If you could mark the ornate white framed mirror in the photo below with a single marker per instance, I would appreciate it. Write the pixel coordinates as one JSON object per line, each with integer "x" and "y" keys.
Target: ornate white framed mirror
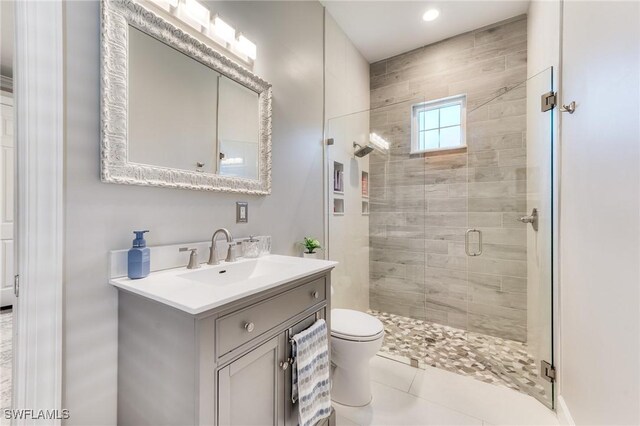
{"x": 176, "y": 113}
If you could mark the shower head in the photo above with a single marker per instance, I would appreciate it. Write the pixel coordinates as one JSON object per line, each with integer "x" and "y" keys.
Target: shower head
{"x": 361, "y": 151}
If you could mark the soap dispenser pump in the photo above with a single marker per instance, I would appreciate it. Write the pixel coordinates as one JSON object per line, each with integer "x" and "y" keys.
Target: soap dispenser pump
{"x": 139, "y": 257}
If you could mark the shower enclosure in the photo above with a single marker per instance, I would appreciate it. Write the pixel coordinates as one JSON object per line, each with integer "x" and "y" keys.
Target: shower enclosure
{"x": 444, "y": 229}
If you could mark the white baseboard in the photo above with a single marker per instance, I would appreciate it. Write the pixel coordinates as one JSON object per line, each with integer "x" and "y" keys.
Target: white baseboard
{"x": 564, "y": 415}
{"x": 6, "y": 296}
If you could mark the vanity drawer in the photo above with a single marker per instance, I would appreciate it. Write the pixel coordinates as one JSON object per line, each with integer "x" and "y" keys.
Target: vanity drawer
{"x": 241, "y": 326}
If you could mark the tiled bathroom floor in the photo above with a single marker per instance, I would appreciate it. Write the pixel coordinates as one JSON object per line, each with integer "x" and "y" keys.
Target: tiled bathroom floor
{"x": 486, "y": 358}
{"x": 404, "y": 395}
{"x": 6, "y": 322}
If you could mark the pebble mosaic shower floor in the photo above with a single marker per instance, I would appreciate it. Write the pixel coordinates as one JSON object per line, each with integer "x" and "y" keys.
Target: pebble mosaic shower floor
{"x": 486, "y": 358}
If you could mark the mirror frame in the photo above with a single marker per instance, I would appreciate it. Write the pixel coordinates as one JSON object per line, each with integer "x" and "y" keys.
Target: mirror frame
{"x": 116, "y": 17}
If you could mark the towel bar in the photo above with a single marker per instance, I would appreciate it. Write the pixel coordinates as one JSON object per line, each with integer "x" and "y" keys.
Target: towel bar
{"x": 290, "y": 330}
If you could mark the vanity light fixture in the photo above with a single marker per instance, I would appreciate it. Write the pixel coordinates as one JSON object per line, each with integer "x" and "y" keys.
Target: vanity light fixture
{"x": 431, "y": 15}
{"x": 379, "y": 142}
{"x": 198, "y": 16}
{"x": 166, "y": 4}
{"x": 194, "y": 14}
{"x": 198, "y": 12}
{"x": 223, "y": 30}
{"x": 246, "y": 47}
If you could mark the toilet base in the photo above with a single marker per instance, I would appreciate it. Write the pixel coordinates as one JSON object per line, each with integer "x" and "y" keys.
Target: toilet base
{"x": 352, "y": 386}
{"x": 356, "y": 337}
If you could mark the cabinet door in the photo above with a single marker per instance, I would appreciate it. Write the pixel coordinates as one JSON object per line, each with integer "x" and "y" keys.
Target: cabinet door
{"x": 250, "y": 388}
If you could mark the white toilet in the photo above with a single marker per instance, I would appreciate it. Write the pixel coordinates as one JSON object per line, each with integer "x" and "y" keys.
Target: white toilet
{"x": 355, "y": 338}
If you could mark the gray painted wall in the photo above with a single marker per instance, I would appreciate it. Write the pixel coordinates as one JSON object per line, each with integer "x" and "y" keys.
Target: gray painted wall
{"x": 421, "y": 206}
{"x": 100, "y": 217}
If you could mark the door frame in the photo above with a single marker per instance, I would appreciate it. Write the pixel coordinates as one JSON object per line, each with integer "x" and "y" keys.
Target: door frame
{"x": 39, "y": 115}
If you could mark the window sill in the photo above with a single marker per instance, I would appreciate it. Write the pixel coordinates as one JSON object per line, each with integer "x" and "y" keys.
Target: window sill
{"x": 439, "y": 151}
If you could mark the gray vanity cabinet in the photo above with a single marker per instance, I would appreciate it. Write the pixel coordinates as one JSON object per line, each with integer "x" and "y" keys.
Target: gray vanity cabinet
{"x": 227, "y": 366}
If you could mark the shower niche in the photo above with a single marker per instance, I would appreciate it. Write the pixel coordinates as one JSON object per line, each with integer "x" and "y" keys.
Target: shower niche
{"x": 365, "y": 208}
{"x": 338, "y": 178}
{"x": 365, "y": 184}
{"x": 338, "y": 206}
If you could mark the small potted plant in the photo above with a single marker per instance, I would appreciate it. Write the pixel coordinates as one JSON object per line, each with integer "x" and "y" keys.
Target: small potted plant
{"x": 310, "y": 245}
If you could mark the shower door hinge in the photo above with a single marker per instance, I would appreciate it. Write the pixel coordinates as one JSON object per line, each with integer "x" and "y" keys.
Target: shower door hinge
{"x": 547, "y": 371}
{"x": 549, "y": 101}
{"x": 330, "y": 141}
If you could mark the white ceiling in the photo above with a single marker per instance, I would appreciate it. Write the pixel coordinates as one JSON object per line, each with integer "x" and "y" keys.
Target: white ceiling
{"x": 381, "y": 29}
{"x": 6, "y": 38}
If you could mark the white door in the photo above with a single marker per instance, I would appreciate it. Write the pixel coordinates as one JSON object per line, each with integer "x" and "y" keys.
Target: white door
{"x": 7, "y": 185}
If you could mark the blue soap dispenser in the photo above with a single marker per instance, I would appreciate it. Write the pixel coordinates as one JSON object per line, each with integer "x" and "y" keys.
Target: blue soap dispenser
{"x": 139, "y": 257}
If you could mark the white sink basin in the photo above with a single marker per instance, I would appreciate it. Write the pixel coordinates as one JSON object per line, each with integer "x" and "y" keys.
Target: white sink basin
{"x": 233, "y": 273}
{"x": 197, "y": 291}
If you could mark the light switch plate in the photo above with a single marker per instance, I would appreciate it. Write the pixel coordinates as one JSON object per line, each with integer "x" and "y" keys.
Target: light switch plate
{"x": 242, "y": 212}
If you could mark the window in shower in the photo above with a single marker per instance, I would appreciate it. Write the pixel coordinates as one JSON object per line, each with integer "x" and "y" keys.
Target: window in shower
{"x": 438, "y": 125}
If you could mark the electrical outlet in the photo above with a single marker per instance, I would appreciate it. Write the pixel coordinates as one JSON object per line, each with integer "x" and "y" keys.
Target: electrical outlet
{"x": 242, "y": 212}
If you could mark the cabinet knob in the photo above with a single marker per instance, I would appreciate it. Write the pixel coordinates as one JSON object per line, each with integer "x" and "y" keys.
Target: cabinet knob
{"x": 249, "y": 326}
{"x": 284, "y": 365}
{"x": 315, "y": 294}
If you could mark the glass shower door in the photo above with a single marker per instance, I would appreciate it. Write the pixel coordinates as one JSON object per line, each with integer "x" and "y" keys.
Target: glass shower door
{"x": 509, "y": 238}
{"x": 348, "y": 190}
{"x": 376, "y": 213}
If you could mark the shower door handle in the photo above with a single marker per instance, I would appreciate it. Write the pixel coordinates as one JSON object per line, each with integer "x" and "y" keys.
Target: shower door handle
{"x": 466, "y": 242}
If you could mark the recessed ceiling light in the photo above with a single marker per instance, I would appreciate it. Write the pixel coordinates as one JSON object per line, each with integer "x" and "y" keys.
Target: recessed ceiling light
{"x": 431, "y": 15}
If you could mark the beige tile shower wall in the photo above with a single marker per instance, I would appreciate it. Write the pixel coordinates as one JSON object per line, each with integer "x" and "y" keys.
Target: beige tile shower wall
{"x": 422, "y": 206}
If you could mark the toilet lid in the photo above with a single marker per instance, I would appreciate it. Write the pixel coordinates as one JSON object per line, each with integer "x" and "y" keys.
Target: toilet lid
{"x": 355, "y": 325}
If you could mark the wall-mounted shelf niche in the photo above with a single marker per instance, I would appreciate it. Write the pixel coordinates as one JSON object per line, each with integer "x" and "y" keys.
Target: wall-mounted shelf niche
{"x": 365, "y": 184}
{"x": 338, "y": 177}
{"x": 338, "y": 206}
{"x": 365, "y": 208}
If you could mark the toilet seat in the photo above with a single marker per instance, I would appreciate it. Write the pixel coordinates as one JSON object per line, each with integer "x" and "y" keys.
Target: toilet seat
{"x": 355, "y": 326}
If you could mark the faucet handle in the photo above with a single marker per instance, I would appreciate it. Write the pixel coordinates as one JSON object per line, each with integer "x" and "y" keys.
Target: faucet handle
{"x": 193, "y": 258}
{"x": 232, "y": 254}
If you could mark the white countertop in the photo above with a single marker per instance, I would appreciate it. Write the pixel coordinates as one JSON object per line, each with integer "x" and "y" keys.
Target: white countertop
{"x": 198, "y": 290}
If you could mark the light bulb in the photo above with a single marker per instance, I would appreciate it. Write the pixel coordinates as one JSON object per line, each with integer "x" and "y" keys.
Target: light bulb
{"x": 246, "y": 46}
{"x": 224, "y": 30}
{"x": 197, "y": 12}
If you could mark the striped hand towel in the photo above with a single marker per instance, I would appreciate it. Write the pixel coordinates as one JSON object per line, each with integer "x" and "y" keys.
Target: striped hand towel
{"x": 310, "y": 375}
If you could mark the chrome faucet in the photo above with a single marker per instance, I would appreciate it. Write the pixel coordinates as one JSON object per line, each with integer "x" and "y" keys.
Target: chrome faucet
{"x": 213, "y": 253}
